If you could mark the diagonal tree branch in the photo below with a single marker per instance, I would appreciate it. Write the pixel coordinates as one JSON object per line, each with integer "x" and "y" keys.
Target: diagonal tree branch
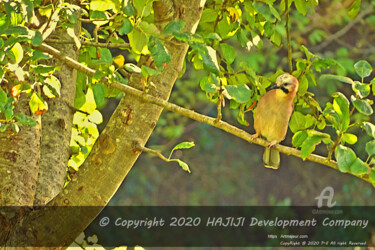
{"x": 94, "y": 44}
{"x": 194, "y": 115}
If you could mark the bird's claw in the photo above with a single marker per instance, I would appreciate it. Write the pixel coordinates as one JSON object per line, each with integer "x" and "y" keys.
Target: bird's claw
{"x": 254, "y": 136}
{"x": 272, "y": 143}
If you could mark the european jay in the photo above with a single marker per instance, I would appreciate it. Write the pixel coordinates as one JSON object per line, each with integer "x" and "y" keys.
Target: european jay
{"x": 272, "y": 116}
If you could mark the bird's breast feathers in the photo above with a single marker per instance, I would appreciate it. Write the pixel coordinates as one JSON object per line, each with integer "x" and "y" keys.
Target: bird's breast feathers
{"x": 272, "y": 115}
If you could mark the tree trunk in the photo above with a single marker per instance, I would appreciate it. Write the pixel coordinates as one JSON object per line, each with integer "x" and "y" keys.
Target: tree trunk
{"x": 113, "y": 154}
{"x": 57, "y": 127}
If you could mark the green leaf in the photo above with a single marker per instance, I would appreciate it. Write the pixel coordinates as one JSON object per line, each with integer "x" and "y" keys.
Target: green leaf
{"x": 362, "y": 106}
{"x": 149, "y": 28}
{"x": 146, "y": 71}
{"x": 362, "y": 90}
{"x": 126, "y": 27}
{"x": 25, "y": 120}
{"x": 105, "y": 56}
{"x": 345, "y": 157}
{"x": 343, "y": 79}
{"x": 228, "y": 52}
{"x": 132, "y": 68}
{"x": 372, "y": 175}
{"x": 183, "y": 165}
{"x": 274, "y": 11}
{"x": 308, "y": 146}
{"x": 158, "y": 52}
{"x": 182, "y": 145}
{"x": 15, "y": 30}
{"x": 358, "y": 167}
{"x": 297, "y": 122}
{"x": 138, "y": 41}
{"x": 276, "y": 38}
{"x": 143, "y": 7}
{"x": 370, "y": 147}
{"x": 37, "y": 39}
{"x": 43, "y": 69}
{"x": 369, "y": 128}
{"x": 89, "y": 105}
{"x": 174, "y": 26}
{"x": 354, "y": 9}
{"x": 15, "y": 128}
{"x": 98, "y": 15}
{"x": 363, "y": 68}
{"x": 39, "y": 55}
{"x": 95, "y": 117}
{"x": 103, "y": 5}
{"x": 207, "y": 86}
{"x": 303, "y": 85}
{"x": 3, "y": 97}
{"x": 37, "y": 104}
{"x": 240, "y": 93}
{"x": 3, "y": 127}
{"x": 129, "y": 10}
{"x": 308, "y": 54}
{"x": 325, "y": 63}
{"x": 99, "y": 94}
{"x": 17, "y": 51}
{"x": 208, "y": 15}
{"x": 52, "y": 87}
{"x": 341, "y": 106}
{"x": 209, "y": 58}
{"x": 299, "y": 138}
{"x": 349, "y": 138}
{"x": 300, "y": 6}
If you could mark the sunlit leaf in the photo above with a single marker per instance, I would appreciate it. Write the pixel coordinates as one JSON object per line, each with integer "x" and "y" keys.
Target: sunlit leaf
{"x": 369, "y": 128}
{"x": 240, "y": 93}
{"x": 90, "y": 105}
{"x": 37, "y": 104}
{"x": 354, "y": 9}
{"x": 349, "y": 138}
{"x": 300, "y": 6}
{"x": 95, "y": 117}
{"x": 138, "y": 41}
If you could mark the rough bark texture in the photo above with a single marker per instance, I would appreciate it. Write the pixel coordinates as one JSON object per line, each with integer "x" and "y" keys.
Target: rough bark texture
{"x": 113, "y": 154}
{"x": 19, "y": 160}
{"x": 57, "y": 127}
{"x": 19, "y": 163}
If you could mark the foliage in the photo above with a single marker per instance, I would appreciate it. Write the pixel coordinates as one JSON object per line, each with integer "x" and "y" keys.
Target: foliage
{"x": 226, "y": 30}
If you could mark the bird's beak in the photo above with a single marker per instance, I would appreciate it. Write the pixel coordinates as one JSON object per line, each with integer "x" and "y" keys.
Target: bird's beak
{"x": 274, "y": 86}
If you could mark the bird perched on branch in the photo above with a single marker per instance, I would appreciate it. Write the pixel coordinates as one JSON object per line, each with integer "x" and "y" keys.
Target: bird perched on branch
{"x": 272, "y": 116}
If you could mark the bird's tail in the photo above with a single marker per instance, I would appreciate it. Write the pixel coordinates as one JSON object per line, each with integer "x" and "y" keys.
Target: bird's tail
{"x": 271, "y": 158}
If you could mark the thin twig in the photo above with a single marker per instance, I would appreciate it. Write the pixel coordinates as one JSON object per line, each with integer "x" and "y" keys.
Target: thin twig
{"x": 344, "y": 30}
{"x": 84, "y": 20}
{"x": 192, "y": 114}
{"x": 100, "y": 45}
{"x": 155, "y": 152}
